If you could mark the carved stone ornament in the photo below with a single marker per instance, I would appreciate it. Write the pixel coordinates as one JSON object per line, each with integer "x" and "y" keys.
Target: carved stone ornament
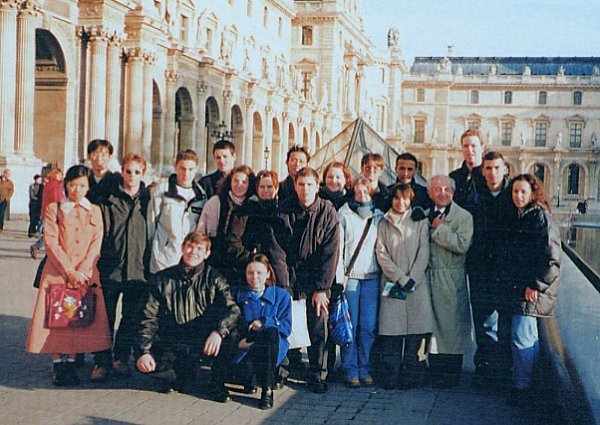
{"x": 227, "y": 95}
{"x": 171, "y": 75}
{"x": 10, "y": 4}
{"x": 249, "y": 103}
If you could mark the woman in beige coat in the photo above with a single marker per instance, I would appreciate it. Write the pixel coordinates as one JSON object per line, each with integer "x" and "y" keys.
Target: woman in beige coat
{"x": 405, "y": 315}
{"x": 72, "y": 236}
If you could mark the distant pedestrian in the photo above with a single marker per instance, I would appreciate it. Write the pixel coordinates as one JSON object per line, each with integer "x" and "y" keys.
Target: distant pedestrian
{"x": 35, "y": 204}
{"x": 7, "y": 189}
{"x": 53, "y": 193}
{"x": 72, "y": 257}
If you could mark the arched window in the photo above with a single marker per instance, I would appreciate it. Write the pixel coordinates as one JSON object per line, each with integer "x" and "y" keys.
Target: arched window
{"x": 539, "y": 171}
{"x": 507, "y": 97}
{"x": 573, "y": 179}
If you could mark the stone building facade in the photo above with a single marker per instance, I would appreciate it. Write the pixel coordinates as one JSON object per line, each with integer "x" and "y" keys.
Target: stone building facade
{"x": 543, "y": 114}
{"x": 157, "y": 76}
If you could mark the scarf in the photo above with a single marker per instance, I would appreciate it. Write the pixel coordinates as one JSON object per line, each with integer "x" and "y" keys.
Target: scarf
{"x": 363, "y": 209}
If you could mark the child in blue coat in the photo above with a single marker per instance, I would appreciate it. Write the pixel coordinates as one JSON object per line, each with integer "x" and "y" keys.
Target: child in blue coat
{"x": 264, "y": 325}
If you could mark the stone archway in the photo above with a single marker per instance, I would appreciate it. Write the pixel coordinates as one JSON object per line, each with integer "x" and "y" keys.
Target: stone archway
{"x": 317, "y": 141}
{"x": 291, "y": 136}
{"x": 50, "y": 100}
{"x": 158, "y": 132}
{"x": 542, "y": 171}
{"x": 257, "y": 142}
{"x": 305, "y": 139}
{"x": 184, "y": 120}
{"x": 275, "y": 160}
{"x": 211, "y": 120}
{"x": 237, "y": 130}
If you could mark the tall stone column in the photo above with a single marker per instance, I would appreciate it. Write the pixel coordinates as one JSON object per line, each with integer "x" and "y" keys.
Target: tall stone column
{"x": 134, "y": 105}
{"x": 8, "y": 73}
{"x": 285, "y": 142}
{"x": 25, "y": 88}
{"x": 268, "y": 137}
{"x": 147, "y": 113}
{"x": 249, "y": 131}
{"x": 351, "y": 68}
{"x": 169, "y": 146}
{"x": 98, "y": 39}
{"x": 227, "y": 98}
{"x": 200, "y": 145}
{"x": 113, "y": 89}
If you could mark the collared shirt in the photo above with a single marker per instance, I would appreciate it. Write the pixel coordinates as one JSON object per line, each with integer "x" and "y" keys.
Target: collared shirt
{"x": 66, "y": 205}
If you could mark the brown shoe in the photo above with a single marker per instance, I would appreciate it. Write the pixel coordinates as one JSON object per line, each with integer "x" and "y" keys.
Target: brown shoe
{"x": 33, "y": 251}
{"x": 99, "y": 374}
{"x": 121, "y": 369}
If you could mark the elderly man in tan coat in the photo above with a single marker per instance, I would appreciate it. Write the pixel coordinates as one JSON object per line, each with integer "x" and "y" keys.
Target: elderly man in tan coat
{"x": 7, "y": 188}
{"x": 451, "y": 230}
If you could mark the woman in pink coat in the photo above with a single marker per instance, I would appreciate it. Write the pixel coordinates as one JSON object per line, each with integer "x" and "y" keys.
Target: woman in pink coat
{"x": 72, "y": 236}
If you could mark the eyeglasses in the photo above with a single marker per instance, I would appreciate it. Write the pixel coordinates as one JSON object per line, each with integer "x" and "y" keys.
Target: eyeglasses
{"x": 136, "y": 172}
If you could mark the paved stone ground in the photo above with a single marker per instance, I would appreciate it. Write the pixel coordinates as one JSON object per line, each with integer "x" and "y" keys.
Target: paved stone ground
{"x": 27, "y": 396}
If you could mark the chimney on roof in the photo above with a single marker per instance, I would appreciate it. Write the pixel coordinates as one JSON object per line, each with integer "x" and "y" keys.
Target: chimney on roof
{"x": 450, "y": 51}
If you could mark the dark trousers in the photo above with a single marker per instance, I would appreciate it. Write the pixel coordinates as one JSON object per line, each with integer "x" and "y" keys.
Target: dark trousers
{"x": 34, "y": 217}
{"x": 124, "y": 337}
{"x": 262, "y": 357}
{"x": 446, "y": 368}
{"x": 400, "y": 354}
{"x": 493, "y": 353}
{"x": 318, "y": 351}
{"x": 177, "y": 363}
{"x": 3, "y": 207}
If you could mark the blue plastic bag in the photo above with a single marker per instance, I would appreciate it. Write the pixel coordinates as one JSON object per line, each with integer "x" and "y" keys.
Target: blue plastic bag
{"x": 339, "y": 324}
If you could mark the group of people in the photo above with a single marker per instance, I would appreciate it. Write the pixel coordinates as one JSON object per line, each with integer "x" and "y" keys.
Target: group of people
{"x": 209, "y": 269}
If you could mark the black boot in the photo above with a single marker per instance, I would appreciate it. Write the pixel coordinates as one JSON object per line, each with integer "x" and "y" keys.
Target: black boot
{"x": 266, "y": 399}
{"x": 219, "y": 393}
{"x": 71, "y": 373}
{"x": 59, "y": 379}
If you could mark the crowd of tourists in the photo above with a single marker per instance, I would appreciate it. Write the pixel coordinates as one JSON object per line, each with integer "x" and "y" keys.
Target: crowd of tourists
{"x": 208, "y": 271}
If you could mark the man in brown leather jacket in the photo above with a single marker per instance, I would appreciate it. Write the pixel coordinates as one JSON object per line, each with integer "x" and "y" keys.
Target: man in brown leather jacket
{"x": 191, "y": 310}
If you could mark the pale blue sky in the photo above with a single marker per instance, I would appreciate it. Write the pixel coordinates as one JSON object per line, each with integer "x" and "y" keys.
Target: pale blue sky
{"x": 487, "y": 28}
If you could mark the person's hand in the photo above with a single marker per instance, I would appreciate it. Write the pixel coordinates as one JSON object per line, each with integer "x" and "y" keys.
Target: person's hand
{"x": 213, "y": 344}
{"x": 146, "y": 363}
{"x": 531, "y": 295}
{"x": 438, "y": 220}
{"x": 320, "y": 302}
{"x": 255, "y": 326}
{"x": 76, "y": 278}
{"x": 244, "y": 344}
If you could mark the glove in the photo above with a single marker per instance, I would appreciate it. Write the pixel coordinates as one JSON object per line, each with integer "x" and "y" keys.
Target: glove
{"x": 398, "y": 292}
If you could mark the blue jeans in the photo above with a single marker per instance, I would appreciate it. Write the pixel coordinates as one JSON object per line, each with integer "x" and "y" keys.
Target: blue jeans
{"x": 363, "y": 296}
{"x": 525, "y": 349}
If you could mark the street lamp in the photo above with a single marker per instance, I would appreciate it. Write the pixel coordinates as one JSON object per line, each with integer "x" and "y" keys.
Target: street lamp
{"x": 267, "y": 153}
{"x": 558, "y": 198}
{"x": 221, "y": 132}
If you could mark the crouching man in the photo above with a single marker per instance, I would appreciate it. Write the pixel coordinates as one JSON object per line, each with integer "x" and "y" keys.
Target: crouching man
{"x": 189, "y": 312}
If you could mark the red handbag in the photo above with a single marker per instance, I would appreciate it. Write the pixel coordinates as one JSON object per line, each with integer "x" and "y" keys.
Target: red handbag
{"x": 69, "y": 308}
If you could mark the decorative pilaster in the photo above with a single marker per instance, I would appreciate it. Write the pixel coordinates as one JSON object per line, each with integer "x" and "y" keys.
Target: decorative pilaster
{"x": 25, "y": 87}
{"x": 98, "y": 39}
{"x": 201, "y": 137}
{"x": 134, "y": 108}
{"x": 149, "y": 61}
{"x": 171, "y": 78}
{"x": 267, "y": 136}
{"x": 285, "y": 141}
{"x": 249, "y": 131}
{"x": 8, "y": 56}
{"x": 113, "y": 89}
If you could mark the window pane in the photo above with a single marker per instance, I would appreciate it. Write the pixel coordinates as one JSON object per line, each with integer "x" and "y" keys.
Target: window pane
{"x": 577, "y": 98}
{"x": 575, "y": 134}
{"x": 474, "y": 97}
{"x": 472, "y": 125}
{"x": 573, "y": 182}
{"x": 420, "y": 95}
{"x": 506, "y": 133}
{"x": 307, "y": 36}
{"x": 507, "y": 97}
{"x": 419, "y": 131}
{"x": 542, "y": 98}
{"x": 539, "y": 171}
{"x": 540, "y": 134}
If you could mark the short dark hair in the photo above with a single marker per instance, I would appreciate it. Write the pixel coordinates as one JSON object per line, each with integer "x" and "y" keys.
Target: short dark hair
{"x": 187, "y": 154}
{"x": 407, "y": 156}
{"x": 297, "y": 148}
{"x": 492, "y": 155}
{"x": 37, "y": 176}
{"x": 75, "y": 172}
{"x": 224, "y": 144}
{"x": 100, "y": 143}
{"x": 307, "y": 172}
{"x": 375, "y": 157}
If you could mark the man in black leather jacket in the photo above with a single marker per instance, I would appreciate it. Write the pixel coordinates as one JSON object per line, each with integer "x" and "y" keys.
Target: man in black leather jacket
{"x": 189, "y": 312}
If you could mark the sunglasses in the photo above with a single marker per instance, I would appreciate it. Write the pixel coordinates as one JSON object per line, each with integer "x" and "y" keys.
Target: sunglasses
{"x": 136, "y": 172}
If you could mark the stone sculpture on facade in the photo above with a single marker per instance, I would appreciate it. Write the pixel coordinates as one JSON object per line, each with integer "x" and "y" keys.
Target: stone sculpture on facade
{"x": 393, "y": 36}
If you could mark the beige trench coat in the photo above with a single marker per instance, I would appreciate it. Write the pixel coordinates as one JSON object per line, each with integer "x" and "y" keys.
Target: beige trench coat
{"x": 403, "y": 253}
{"x": 448, "y": 279}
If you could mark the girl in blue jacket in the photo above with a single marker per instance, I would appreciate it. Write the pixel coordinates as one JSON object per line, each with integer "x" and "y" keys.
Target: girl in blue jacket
{"x": 265, "y": 324}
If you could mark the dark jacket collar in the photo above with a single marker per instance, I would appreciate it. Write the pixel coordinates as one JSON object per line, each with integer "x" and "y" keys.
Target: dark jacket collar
{"x": 172, "y": 190}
